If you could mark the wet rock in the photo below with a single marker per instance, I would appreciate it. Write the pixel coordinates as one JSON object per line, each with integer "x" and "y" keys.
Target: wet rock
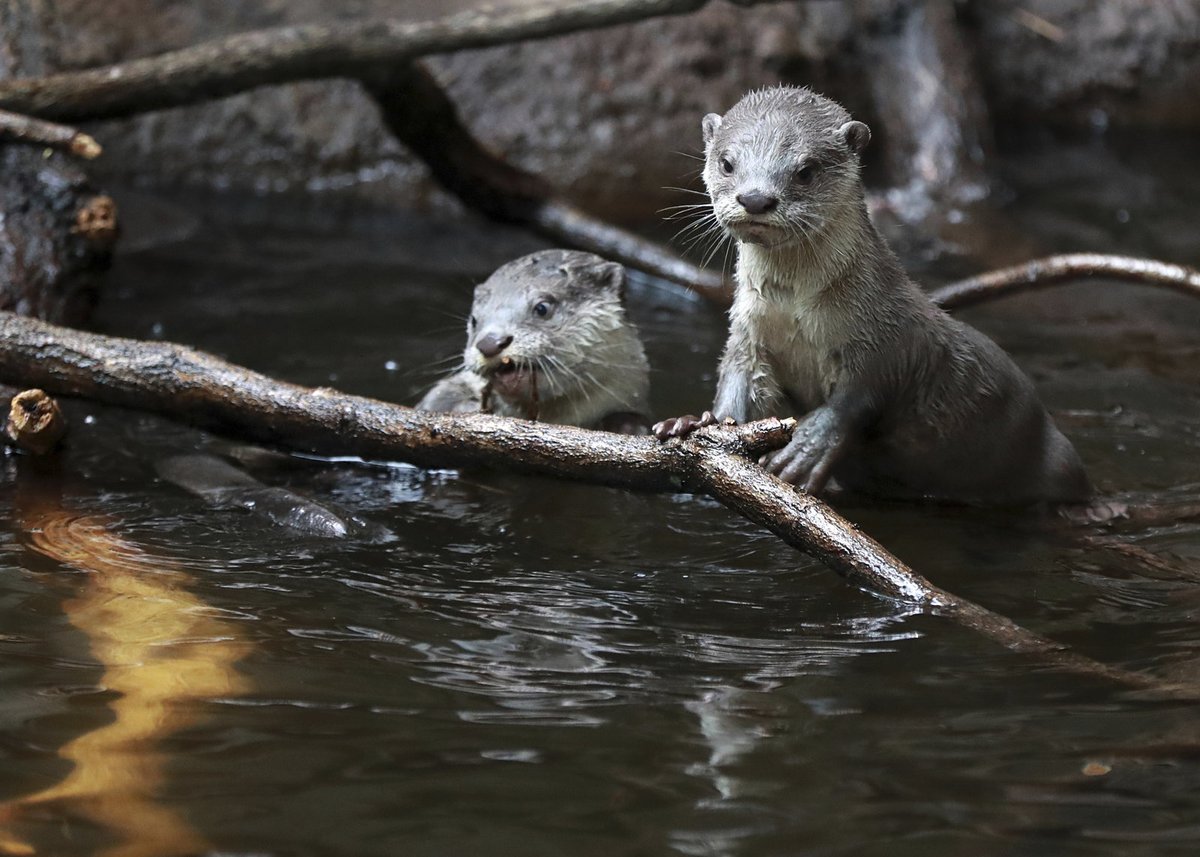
{"x": 610, "y": 116}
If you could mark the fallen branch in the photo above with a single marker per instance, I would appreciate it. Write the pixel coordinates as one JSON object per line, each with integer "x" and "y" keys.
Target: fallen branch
{"x": 306, "y": 52}
{"x": 421, "y": 115}
{"x": 198, "y": 388}
{"x": 39, "y": 132}
{"x": 418, "y": 111}
{"x": 1056, "y": 270}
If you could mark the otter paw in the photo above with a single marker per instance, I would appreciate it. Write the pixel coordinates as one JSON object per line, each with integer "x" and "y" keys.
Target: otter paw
{"x": 794, "y": 463}
{"x": 682, "y": 426}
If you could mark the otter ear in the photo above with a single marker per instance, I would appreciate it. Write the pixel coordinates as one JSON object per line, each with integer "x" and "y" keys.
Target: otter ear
{"x": 709, "y": 126}
{"x": 611, "y": 278}
{"x": 855, "y": 135}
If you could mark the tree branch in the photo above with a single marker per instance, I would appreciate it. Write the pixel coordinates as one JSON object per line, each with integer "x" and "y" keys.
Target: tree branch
{"x": 1055, "y": 270}
{"x": 421, "y": 115}
{"x": 234, "y": 64}
{"x": 39, "y": 132}
{"x": 198, "y": 388}
{"x": 418, "y": 111}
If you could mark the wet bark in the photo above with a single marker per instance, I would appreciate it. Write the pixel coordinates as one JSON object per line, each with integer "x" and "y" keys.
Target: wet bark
{"x": 198, "y": 388}
{"x": 49, "y": 255}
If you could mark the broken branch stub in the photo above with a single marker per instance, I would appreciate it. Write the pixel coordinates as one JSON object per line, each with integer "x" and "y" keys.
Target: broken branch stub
{"x": 35, "y": 423}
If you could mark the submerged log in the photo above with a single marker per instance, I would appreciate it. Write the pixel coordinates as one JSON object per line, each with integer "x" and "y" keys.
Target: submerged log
{"x": 198, "y": 388}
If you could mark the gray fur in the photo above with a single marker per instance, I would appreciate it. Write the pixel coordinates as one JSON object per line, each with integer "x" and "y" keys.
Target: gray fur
{"x": 587, "y": 355}
{"x": 899, "y": 398}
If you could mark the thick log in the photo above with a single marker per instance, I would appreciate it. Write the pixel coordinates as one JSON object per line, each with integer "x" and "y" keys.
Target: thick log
{"x": 198, "y": 388}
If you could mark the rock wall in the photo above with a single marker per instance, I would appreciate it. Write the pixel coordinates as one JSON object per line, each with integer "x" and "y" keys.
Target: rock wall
{"x": 612, "y": 116}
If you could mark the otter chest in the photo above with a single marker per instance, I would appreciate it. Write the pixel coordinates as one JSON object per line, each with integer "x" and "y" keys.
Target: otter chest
{"x": 800, "y": 340}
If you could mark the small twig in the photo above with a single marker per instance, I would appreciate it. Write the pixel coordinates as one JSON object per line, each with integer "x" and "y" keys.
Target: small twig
{"x": 38, "y": 132}
{"x": 35, "y": 423}
{"x": 1055, "y": 270}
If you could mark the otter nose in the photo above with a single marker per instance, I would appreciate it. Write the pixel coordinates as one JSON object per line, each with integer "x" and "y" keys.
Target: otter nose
{"x": 490, "y": 344}
{"x": 757, "y": 202}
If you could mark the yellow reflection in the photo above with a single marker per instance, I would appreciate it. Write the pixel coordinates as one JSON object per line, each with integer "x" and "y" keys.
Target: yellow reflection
{"x": 162, "y": 649}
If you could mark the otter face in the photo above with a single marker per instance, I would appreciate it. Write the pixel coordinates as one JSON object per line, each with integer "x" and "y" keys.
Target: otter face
{"x": 781, "y": 164}
{"x": 535, "y": 321}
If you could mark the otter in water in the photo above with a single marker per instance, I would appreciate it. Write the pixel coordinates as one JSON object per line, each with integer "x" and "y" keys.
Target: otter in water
{"x": 899, "y": 399}
{"x": 548, "y": 339}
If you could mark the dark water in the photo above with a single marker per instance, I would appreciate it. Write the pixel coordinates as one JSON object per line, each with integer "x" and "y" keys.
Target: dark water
{"x": 533, "y": 668}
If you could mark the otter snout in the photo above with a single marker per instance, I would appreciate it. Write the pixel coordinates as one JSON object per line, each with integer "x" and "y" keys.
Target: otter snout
{"x": 758, "y": 202}
{"x": 490, "y": 344}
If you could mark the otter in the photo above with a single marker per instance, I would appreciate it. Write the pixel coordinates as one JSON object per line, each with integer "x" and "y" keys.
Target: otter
{"x": 548, "y": 339}
{"x": 899, "y": 399}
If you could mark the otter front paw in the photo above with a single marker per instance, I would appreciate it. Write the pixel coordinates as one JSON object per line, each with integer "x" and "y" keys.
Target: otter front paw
{"x": 682, "y": 426}
{"x": 809, "y": 457}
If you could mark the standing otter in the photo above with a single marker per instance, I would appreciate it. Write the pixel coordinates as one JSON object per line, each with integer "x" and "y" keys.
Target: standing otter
{"x": 901, "y": 399}
{"x": 548, "y": 339}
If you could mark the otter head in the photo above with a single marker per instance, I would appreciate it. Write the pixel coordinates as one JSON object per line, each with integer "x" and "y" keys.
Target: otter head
{"x": 537, "y": 322}
{"x": 782, "y": 164}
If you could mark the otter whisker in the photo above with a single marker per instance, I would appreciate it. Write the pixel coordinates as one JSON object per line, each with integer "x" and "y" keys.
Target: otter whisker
{"x": 702, "y": 193}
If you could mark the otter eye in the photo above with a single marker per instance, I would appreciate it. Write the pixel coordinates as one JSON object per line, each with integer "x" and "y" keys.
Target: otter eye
{"x": 473, "y": 322}
{"x": 543, "y": 309}
{"x": 726, "y": 166}
{"x": 805, "y": 174}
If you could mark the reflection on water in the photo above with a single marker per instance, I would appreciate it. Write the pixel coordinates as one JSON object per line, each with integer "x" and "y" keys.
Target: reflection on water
{"x": 162, "y": 649}
{"x": 535, "y": 668}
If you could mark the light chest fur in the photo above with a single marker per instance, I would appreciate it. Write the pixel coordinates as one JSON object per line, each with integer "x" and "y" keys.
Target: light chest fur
{"x": 783, "y": 304}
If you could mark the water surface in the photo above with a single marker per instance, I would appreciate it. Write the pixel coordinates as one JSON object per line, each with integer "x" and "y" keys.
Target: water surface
{"x": 526, "y": 667}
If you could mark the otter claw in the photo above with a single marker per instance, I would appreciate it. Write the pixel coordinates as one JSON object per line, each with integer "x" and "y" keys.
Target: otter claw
{"x": 682, "y": 426}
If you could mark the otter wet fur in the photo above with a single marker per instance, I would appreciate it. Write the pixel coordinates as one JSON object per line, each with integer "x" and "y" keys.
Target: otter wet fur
{"x": 899, "y": 399}
{"x": 548, "y": 339}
